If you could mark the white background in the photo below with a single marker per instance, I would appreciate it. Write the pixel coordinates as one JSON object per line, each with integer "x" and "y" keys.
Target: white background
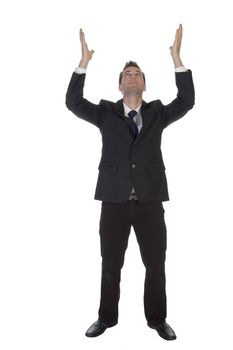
{"x": 49, "y": 250}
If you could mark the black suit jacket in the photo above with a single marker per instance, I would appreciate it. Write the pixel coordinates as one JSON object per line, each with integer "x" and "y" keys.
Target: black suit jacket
{"x": 127, "y": 162}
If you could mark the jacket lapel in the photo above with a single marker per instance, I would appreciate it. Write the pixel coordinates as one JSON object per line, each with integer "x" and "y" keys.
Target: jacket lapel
{"x": 147, "y": 118}
{"x": 146, "y": 121}
{"x": 119, "y": 110}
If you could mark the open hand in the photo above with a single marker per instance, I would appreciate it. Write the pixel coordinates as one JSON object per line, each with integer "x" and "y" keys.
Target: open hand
{"x": 86, "y": 53}
{"x": 175, "y": 48}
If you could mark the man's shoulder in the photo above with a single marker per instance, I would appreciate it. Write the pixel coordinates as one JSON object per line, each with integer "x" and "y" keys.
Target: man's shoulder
{"x": 155, "y": 104}
{"x": 144, "y": 103}
{"x": 106, "y": 103}
{"x": 109, "y": 105}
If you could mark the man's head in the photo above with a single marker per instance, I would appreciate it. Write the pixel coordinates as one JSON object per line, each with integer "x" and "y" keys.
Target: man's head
{"x": 132, "y": 80}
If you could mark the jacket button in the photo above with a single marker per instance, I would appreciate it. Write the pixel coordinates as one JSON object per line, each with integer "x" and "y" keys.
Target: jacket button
{"x": 133, "y": 165}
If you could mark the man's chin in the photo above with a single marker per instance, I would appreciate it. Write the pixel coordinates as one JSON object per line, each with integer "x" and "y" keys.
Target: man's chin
{"x": 134, "y": 90}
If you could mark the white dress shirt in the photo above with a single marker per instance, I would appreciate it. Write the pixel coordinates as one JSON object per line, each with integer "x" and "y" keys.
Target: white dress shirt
{"x": 138, "y": 118}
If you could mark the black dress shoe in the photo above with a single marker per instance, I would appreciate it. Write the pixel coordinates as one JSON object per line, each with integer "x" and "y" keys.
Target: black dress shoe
{"x": 97, "y": 328}
{"x": 164, "y": 330}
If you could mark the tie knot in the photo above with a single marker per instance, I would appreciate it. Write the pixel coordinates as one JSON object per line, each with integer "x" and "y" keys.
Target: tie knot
{"x": 132, "y": 114}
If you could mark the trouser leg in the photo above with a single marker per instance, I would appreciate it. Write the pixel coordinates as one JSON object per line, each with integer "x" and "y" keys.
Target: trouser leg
{"x": 115, "y": 223}
{"x": 150, "y": 229}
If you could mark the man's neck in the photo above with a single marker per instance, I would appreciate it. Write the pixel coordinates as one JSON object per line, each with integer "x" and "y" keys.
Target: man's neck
{"x": 132, "y": 101}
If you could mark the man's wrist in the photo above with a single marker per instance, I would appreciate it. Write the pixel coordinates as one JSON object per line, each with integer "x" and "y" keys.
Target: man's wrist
{"x": 177, "y": 61}
{"x": 83, "y": 63}
{"x": 178, "y": 69}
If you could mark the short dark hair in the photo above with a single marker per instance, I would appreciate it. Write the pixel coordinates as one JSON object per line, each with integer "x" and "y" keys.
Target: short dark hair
{"x": 131, "y": 64}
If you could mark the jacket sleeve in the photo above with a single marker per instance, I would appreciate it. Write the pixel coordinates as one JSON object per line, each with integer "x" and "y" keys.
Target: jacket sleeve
{"x": 184, "y": 100}
{"x": 77, "y": 104}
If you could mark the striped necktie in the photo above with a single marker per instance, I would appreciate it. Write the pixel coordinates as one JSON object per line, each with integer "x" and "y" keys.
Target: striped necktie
{"x": 134, "y": 127}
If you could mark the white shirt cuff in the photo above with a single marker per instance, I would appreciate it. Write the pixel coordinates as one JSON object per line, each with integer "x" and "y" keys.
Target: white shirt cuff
{"x": 180, "y": 69}
{"x": 80, "y": 70}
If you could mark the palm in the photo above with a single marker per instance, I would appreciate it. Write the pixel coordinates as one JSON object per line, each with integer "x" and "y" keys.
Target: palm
{"x": 175, "y": 48}
{"x": 86, "y": 53}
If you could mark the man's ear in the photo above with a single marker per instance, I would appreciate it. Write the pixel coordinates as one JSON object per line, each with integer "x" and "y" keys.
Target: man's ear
{"x": 144, "y": 88}
{"x": 120, "y": 87}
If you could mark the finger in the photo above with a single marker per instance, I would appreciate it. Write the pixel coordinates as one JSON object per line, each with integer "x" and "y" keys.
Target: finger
{"x": 178, "y": 34}
{"x": 82, "y": 35}
{"x": 180, "y": 30}
{"x": 180, "y": 27}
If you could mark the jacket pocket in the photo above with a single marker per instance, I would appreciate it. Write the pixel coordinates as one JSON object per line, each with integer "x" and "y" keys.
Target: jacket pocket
{"x": 156, "y": 167}
{"x": 108, "y": 167}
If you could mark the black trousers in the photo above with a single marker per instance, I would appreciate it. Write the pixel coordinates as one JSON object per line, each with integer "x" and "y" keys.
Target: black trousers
{"x": 148, "y": 223}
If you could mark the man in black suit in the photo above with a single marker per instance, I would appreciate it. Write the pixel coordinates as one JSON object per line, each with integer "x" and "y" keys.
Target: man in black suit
{"x": 132, "y": 183}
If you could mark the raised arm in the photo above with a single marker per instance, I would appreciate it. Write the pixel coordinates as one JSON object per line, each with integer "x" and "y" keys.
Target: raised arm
{"x": 185, "y": 95}
{"x": 75, "y": 101}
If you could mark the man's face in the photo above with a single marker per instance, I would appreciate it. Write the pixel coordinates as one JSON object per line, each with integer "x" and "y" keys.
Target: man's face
{"x": 132, "y": 82}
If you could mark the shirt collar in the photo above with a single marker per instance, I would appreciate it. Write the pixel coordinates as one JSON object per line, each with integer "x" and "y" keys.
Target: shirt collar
{"x": 127, "y": 109}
